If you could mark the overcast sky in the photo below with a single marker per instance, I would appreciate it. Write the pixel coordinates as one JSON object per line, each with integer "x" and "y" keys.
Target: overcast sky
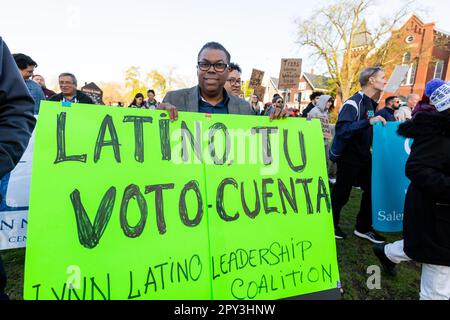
{"x": 99, "y": 39}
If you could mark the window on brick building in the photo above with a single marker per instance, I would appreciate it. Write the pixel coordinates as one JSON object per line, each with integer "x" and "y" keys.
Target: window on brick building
{"x": 409, "y": 39}
{"x": 411, "y": 75}
{"x": 406, "y": 58}
{"x": 439, "y": 70}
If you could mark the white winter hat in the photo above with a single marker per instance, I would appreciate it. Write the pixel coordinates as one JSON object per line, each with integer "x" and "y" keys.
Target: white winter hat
{"x": 440, "y": 97}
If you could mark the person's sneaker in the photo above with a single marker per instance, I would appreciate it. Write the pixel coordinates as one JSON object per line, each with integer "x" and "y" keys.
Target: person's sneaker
{"x": 339, "y": 234}
{"x": 372, "y": 236}
{"x": 388, "y": 265}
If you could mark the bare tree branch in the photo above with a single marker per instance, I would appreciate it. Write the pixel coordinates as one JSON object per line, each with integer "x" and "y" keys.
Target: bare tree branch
{"x": 332, "y": 31}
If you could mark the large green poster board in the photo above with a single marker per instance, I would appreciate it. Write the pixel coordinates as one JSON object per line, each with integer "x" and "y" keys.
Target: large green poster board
{"x": 127, "y": 205}
{"x": 271, "y": 223}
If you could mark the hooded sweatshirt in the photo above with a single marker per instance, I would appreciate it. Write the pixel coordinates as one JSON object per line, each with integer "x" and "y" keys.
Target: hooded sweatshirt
{"x": 320, "y": 109}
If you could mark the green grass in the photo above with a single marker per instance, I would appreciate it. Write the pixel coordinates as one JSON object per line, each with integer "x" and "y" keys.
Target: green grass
{"x": 14, "y": 261}
{"x": 354, "y": 255}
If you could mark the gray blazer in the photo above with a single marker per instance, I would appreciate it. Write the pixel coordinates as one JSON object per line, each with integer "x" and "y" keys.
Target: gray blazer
{"x": 186, "y": 100}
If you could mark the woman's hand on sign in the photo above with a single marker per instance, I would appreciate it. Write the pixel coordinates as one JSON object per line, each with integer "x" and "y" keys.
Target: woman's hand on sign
{"x": 171, "y": 109}
{"x": 377, "y": 119}
{"x": 278, "y": 113}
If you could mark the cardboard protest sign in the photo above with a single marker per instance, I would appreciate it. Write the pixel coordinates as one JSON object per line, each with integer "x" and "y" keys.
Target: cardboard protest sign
{"x": 260, "y": 92}
{"x": 325, "y": 123}
{"x": 143, "y": 208}
{"x": 256, "y": 78}
{"x": 396, "y": 79}
{"x": 290, "y": 73}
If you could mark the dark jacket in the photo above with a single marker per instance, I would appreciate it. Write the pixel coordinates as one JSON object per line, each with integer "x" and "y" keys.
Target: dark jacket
{"x": 186, "y": 100}
{"x": 308, "y": 110}
{"x": 16, "y": 122}
{"x": 387, "y": 114}
{"x": 426, "y": 224}
{"x": 423, "y": 107}
{"x": 81, "y": 97}
{"x": 353, "y": 136}
{"x": 48, "y": 93}
{"x": 16, "y": 112}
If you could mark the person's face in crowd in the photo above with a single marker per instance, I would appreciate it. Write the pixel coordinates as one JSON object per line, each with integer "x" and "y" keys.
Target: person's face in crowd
{"x": 67, "y": 86}
{"x": 396, "y": 104}
{"x": 378, "y": 81}
{"x": 413, "y": 101}
{"x": 151, "y": 96}
{"x": 254, "y": 99}
{"x": 316, "y": 100}
{"x": 39, "y": 80}
{"x": 279, "y": 103}
{"x": 27, "y": 73}
{"x": 139, "y": 101}
{"x": 329, "y": 104}
{"x": 233, "y": 84}
{"x": 212, "y": 80}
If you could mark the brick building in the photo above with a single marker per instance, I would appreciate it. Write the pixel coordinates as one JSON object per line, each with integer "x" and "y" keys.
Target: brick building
{"x": 425, "y": 49}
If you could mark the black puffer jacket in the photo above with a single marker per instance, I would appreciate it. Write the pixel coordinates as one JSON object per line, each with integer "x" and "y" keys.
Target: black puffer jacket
{"x": 427, "y": 205}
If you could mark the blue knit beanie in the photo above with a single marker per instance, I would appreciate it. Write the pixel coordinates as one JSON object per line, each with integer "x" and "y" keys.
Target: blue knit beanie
{"x": 433, "y": 85}
{"x": 439, "y": 93}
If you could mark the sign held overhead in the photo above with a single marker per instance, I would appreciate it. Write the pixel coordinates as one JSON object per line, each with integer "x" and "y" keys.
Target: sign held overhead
{"x": 290, "y": 73}
{"x": 256, "y": 79}
{"x": 397, "y": 78}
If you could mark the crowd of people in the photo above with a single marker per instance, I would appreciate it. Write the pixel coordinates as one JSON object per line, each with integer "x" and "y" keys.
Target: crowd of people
{"x": 69, "y": 93}
{"x": 427, "y": 206}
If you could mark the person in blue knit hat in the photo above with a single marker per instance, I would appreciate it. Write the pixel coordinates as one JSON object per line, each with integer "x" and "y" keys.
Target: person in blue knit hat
{"x": 426, "y": 224}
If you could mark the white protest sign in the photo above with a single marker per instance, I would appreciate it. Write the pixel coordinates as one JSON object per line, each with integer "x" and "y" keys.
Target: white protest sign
{"x": 15, "y": 194}
{"x": 397, "y": 78}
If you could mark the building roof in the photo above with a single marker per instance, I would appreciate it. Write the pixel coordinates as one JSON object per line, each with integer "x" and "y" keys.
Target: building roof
{"x": 442, "y": 32}
{"x": 92, "y": 86}
{"x": 362, "y": 37}
{"x": 318, "y": 82}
